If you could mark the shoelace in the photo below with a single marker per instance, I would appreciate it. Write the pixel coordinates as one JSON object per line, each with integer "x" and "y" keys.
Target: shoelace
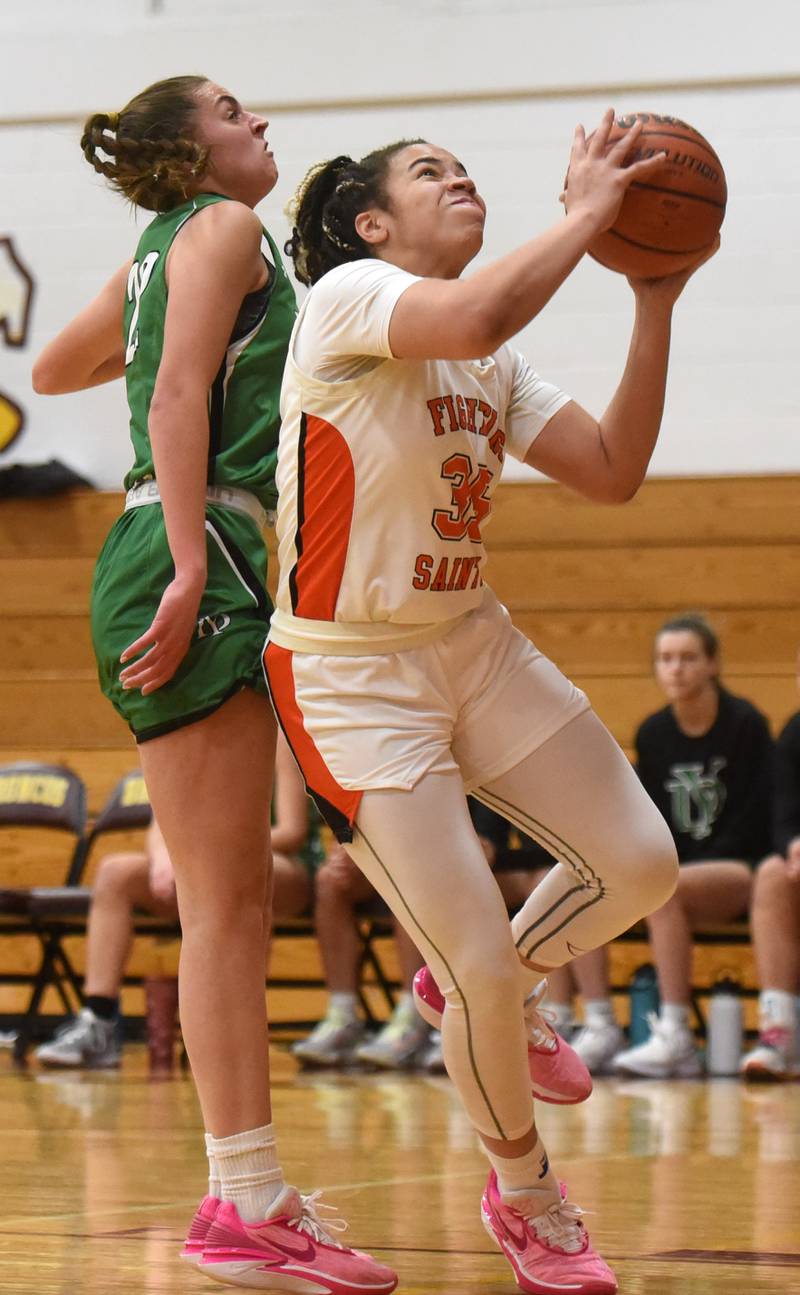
{"x": 661, "y": 1029}
{"x": 539, "y": 1020}
{"x": 310, "y": 1221}
{"x": 560, "y": 1225}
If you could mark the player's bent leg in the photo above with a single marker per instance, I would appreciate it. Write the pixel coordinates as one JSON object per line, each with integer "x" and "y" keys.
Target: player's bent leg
{"x": 458, "y": 920}
{"x": 579, "y": 797}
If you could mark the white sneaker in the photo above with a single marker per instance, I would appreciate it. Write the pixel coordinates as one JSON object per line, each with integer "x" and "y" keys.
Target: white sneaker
{"x": 669, "y": 1053}
{"x": 85, "y": 1042}
{"x": 773, "y": 1058}
{"x": 332, "y": 1042}
{"x": 398, "y": 1044}
{"x": 597, "y": 1043}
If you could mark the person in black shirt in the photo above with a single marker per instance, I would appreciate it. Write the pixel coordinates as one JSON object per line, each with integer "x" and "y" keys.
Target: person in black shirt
{"x": 706, "y": 761}
{"x": 775, "y": 924}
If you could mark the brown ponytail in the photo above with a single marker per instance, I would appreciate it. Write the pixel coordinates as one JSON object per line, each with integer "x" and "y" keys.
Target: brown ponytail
{"x": 324, "y": 210}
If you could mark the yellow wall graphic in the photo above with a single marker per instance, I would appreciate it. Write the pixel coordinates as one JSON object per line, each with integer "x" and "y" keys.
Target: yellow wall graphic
{"x": 16, "y": 297}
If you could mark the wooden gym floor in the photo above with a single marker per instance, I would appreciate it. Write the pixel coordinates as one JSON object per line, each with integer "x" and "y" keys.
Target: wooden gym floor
{"x": 693, "y": 1185}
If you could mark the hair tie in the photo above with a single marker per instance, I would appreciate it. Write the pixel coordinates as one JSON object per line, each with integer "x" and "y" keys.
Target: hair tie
{"x": 335, "y": 239}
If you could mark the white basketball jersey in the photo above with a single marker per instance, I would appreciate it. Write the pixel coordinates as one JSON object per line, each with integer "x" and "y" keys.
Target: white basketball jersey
{"x": 386, "y": 471}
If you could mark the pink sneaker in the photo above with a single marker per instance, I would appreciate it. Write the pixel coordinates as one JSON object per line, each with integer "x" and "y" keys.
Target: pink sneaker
{"x": 290, "y": 1250}
{"x": 557, "y": 1073}
{"x": 549, "y": 1252}
{"x": 206, "y": 1212}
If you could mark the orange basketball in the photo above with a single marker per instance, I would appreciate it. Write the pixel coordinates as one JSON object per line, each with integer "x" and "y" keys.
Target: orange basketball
{"x": 665, "y": 222}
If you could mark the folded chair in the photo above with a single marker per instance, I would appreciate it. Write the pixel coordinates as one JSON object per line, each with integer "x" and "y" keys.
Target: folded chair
{"x": 42, "y": 845}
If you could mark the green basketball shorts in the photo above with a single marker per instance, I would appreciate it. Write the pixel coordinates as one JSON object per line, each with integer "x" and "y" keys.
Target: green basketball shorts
{"x": 133, "y": 570}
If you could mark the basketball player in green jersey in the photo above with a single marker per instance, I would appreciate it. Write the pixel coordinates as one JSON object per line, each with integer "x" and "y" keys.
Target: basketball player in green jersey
{"x": 199, "y": 322}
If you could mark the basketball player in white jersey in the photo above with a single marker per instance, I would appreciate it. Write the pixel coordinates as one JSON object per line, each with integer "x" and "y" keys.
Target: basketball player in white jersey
{"x": 396, "y": 674}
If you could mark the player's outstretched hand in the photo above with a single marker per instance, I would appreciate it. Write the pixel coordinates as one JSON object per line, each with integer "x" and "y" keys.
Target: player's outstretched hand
{"x": 165, "y": 643}
{"x": 597, "y": 178}
{"x": 669, "y": 287}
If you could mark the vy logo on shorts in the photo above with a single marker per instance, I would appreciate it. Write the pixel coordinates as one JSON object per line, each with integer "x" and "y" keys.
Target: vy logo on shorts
{"x": 210, "y": 626}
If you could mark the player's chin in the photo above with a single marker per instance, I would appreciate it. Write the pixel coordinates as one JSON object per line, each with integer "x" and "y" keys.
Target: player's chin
{"x": 272, "y": 173}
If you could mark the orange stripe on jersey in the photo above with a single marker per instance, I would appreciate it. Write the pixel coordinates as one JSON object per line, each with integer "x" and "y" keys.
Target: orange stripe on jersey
{"x": 337, "y": 805}
{"x": 325, "y": 495}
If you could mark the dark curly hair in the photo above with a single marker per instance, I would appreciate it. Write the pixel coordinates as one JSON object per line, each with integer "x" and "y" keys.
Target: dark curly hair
{"x": 151, "y": 154}
{"x": 324, "y": 210}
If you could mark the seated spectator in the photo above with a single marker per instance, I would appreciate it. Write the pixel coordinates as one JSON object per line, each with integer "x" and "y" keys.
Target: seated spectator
{"x": 144, "y": 882}
{"x": 706, "y": 761}
{"x": 775, "y": 925}
{"x": 341, "y": 1038}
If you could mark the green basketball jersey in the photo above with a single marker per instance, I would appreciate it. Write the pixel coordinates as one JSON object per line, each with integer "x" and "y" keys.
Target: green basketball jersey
{"x": 243, "y": 402}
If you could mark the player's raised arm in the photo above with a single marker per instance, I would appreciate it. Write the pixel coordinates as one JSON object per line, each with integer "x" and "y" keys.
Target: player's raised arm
{"x": 90, "y": 349}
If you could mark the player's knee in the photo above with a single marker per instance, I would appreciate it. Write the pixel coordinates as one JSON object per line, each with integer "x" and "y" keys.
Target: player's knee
{"x": 483, "y": 974}
{"x": 658, "y": 869}
{"x": 333, "y": 885}
{"x": 772, "y": 882}
{"x": 116, "y": 873}
{"x": 644, "y": 874}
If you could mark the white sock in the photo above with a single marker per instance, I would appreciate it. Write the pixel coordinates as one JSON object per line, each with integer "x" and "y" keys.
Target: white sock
{"x": 598, "y": 1011}
{"x": 405, "y": 1008}
{"x": 250, "y": 1176}
{"x": 563, "y": 1016}
{"x": 214, "y": 1183}
{"x": 676, "y": 1015}
{"x": 777, "y": 1007}
{"x": 343, "y": 1003}
{"x": 529, "y": 1174}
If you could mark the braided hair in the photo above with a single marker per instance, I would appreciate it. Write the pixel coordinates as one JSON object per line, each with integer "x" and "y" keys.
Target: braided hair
{"x": 151, "y": 155}
{"x": 324, "y": 210}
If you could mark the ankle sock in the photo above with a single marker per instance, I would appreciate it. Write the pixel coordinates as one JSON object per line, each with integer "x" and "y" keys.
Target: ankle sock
{"x": 214, "y": 1181}
{"x": 405, "y": 1009}
{"x": 104, "y": 1008}
{"x": 676, "y": 1015}
{"x": 777, "y": 1007}
{"x": 530, "y": 1174}
{"x": 563, "y": 1017}
{"x": 598, "y": 1012}
{"x": 248, "y": 1171}
{"x": 343, "y": 1004}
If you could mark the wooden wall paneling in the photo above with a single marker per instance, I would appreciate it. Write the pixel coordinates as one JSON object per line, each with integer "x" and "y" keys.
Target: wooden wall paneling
{"x": 665, "y": 578}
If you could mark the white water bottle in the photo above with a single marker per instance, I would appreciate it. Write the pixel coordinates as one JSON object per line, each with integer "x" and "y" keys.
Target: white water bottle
{"x": 725, "y": 1029}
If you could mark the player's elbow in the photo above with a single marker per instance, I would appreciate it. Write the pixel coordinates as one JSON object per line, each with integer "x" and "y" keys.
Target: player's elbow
{"x": 622, "y": 492}
{"x": 44, "y": 378}
{"x": 608, "y": 490}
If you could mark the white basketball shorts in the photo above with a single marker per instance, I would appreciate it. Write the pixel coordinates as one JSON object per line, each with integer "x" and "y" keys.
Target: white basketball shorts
{"x": 479, "y": 699}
